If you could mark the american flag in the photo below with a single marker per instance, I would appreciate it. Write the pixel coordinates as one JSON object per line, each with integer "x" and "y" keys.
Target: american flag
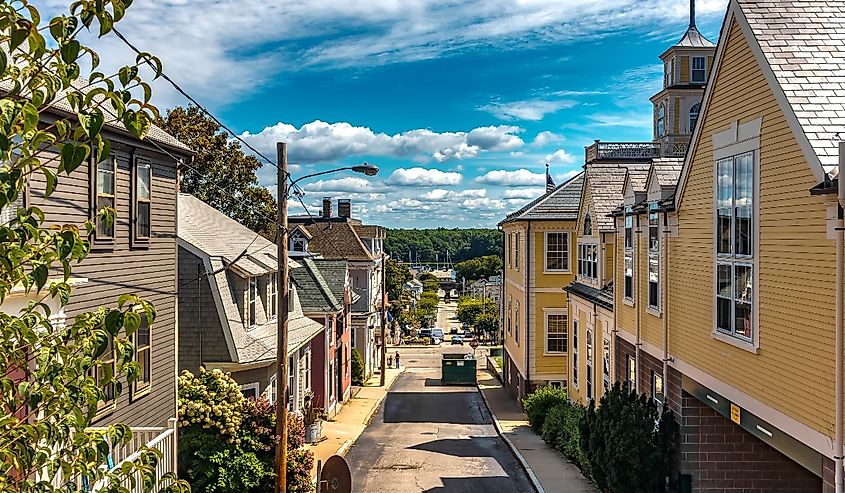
{"x": 550, "y": 184}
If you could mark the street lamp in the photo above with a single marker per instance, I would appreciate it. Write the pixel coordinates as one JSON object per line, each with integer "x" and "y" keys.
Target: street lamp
{"x": 282, "y": 310}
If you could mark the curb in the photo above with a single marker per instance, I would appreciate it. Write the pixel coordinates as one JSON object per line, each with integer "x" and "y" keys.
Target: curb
{"x": 515, "y": 451}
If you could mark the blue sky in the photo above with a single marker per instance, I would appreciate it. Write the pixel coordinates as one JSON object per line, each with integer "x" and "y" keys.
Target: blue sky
{"x": 459, "y": 103}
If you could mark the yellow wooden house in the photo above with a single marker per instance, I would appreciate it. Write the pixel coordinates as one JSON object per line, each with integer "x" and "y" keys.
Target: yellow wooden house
{"x": 539, "y": 249}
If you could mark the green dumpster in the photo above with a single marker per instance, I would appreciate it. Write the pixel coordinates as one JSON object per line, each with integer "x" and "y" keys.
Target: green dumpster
{"x": 458, "y": 369}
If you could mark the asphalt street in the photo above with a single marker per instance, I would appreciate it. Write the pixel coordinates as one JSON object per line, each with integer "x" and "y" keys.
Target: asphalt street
{"x": 431, "y": 438}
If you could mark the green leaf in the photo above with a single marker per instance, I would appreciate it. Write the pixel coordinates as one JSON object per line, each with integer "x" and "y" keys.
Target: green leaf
{"x": 39, "y": 274}
{"x": 52, "y": 180}
{"x": 131, "y": 322}
{"x": 127, "y": 74}
{"x": 91, "y": 123}
{"x": 30, "y": 117}
{"x": 4, "y": 62}
{"x": 113, "y": 321}
{"x": 57, "y": 28}
{"x": 72, "y": 156}
{"x": 18, "y": 36}
{"x": 70, "y": 51}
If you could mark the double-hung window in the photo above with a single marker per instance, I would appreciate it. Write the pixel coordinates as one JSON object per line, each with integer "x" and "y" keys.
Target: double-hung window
{"x": 143, "y": 200}
{"x": 653, "y": 256}
{"x": 657, "y": 388}
{"x": 555, "y": 333}
{"x": 575, "y": 353}
{"x": 589, "y": 365}
{"x": 735, "y": 246}
{"x": 143, "y": 346}
{"x": 632, "y": 374}
{"x": 272, "y": 295}
{"x": 661, "y": 120}
{"x": 252, "y": 292}
{"x": 557, "y": 252}
{"x": 699, "y": 70}
{"x": 606, "y": 363}
{"x": 104, "y": 186}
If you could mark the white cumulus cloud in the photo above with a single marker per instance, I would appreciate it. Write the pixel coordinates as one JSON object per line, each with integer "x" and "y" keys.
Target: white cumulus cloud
{"x": 442, "y": 195}
{"x": 320, "y": 141}
{"x": 518, "y": 177}
{"x": 531, "y": 109}
{"x": 545, "y": 138}
{"x": 560, "y": 156}
{"x": 348, "y": 184}
{"x": 422, "y": 177}
{"x": 523, "y": 193}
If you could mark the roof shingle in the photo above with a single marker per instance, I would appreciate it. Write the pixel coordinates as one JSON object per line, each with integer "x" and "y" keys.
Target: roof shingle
{"x": 561, "y": 203}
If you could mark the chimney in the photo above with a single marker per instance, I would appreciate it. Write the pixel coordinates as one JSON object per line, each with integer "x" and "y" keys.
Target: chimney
{"x": 327, "y": 207}
{"x": 344, "y": 208}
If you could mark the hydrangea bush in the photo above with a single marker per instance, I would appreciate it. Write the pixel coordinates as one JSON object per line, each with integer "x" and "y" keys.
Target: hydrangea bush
{"x": 211, "y": 399}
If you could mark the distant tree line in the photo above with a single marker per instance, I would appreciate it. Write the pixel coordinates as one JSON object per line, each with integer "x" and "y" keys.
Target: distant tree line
{"x": 476, "y": 268}
{"x": 427, "y": 245}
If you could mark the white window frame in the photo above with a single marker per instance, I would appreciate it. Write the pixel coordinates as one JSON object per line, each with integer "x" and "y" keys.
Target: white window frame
{"x": 566, "y": 254}
{"x": 631, "y": 364}
{"x": 271, "y": 390}
{"x": 588, "y": 261}
{"x": 272, "y": 295}
{"x": 251, "y": 305}
{"x": 733, "y": 153}
{"x": 694, "y": 110}
{"x": 660, "y": 121}
{"x": 693, "y": 69}
{"x": 296, "y": 241}
{"x": 254, "y": 386}
{"x": 657, "y": 397}
{"x": 547, "y": 312}
{"x": 628, "y": 257}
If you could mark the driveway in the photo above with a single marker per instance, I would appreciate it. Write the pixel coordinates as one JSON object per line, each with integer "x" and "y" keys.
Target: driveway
{"x": 431, "y": 438}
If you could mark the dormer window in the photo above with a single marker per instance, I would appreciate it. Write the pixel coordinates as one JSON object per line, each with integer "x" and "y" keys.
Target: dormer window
{"x": 298, "y": 244}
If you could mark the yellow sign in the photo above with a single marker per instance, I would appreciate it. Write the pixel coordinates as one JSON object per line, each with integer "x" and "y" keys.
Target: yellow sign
{"x": 735, "y": 413}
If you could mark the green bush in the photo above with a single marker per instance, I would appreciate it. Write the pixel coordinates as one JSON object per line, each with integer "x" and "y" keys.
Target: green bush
{"x": 227, "y": 442}
{"x": 538, "y": 404}
{"x": 357, "y": 368}
{"x": 561, "y": 430}
{"x": 628, "y": 443}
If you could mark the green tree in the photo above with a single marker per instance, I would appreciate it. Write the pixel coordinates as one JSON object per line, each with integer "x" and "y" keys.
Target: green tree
{"x": 479, "y": 267}
{"x": 628, "y": 442}
{"x": 430, "y": 283}
{"x": 397, "y": 274}
{"x": 357, "y": 368}
{"x": 428, "y": 244}
{"x": 50, "y": 395}
{"x": 221, "y": 175}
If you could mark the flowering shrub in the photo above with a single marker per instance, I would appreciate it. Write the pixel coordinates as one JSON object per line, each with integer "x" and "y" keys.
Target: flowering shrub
{"x": 211, "y": 399}
{"x": 227, "y": 442}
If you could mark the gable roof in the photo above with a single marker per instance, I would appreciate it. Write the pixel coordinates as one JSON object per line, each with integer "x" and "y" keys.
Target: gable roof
{"x": 561, "y": 203}
{"x": 337, "y": 240}
{"x": 604, "y": 182}
{"x": 802, "y": 41}
{"x": 317, "y": 294}
{"x": 217, "y": 235}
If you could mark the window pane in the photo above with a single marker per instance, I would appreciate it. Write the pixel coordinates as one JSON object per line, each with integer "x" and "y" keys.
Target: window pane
{"x": 725, "y": 184}
{"x": 743, "y": 283}
{"x": 144, "y": 219}
{"x": 105, "y": 177}
{"x": 144, "y": 362}
{"x": 102, "y": 229}
{"x": 725, "y": 281}
{"x": 743, "y": 231}
{"x": 724, "y": 231}
{"x": 143, "y": 182}
{"x": 743, "y": 319}
{"x": 723, "y": 314}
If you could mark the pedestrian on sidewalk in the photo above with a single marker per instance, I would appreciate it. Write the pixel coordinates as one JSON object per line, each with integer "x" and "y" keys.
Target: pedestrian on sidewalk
{"x": 390, "y": 361}
{"x": 397, "y": 360}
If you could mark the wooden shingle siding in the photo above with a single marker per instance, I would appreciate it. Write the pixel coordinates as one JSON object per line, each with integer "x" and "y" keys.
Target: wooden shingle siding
{"x": 793, "y": 372}
{"x": 201, "y": 337}
{"x": 149, "y": 272}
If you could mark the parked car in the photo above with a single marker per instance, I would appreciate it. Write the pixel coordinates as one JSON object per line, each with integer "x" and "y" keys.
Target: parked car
{"x": 457, "y": 340}
{"x": 424, "y": 333}
{"x": 453, "y": 330}
{"x": 437, "y": 335}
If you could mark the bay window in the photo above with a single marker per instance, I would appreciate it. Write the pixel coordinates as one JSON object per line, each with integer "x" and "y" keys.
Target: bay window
{"x": 734, "y": 246}
{"x": 588, "y": 263}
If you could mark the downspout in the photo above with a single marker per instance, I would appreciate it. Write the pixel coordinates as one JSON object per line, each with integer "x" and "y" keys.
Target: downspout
{"x": 665, "y": 286}
{"x": 615, "y": 332}
{"x": 840, "y": 275}
{"x": 637, "y": 304}
{"x": 528, "y": 308}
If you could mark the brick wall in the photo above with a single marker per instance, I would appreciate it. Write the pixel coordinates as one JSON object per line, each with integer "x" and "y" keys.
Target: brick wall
{"x": 722, "y": 457}
{"x": 719, "y": 455}
{"x": 513, "y": 380}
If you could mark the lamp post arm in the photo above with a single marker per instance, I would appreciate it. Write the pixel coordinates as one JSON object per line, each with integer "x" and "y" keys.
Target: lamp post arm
{"x": 321, "y": 173}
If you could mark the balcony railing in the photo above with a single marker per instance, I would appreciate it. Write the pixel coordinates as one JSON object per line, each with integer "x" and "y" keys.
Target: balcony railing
{"x": 162, "y": 439}
{"x": 634, "y": 151}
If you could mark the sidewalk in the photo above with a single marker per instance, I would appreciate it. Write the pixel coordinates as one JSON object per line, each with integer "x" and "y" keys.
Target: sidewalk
{"x": 544, "y": 464}
{"x": 340, "y": 432}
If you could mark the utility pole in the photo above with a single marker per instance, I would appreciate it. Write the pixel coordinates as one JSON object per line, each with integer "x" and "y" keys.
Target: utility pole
{"x": 383, "y": 318}
{"x": 282, "y": 321}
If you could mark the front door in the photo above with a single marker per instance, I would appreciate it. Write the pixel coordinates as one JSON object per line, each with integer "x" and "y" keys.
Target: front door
{"x": 340, "y": 371}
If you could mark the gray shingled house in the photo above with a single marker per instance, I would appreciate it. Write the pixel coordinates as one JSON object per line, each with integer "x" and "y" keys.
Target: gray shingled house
{"x": 137, "y": 254}
{"x": 227, "y": 305}
{"x": 325, "y": 292}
